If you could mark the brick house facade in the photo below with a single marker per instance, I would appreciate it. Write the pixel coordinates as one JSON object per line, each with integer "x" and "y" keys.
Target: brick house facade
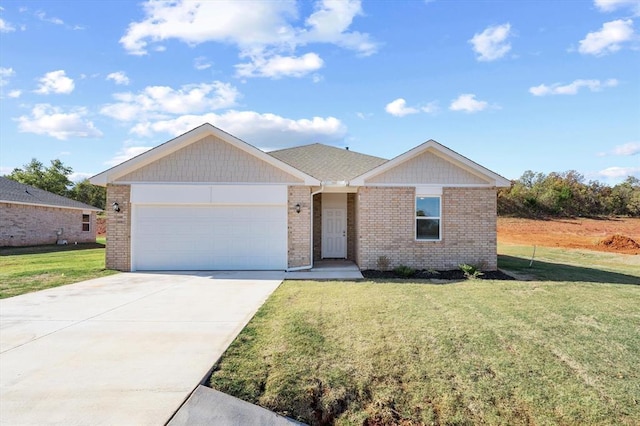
{"x": 207, "y": 171}
{"x": 31, "y": 216}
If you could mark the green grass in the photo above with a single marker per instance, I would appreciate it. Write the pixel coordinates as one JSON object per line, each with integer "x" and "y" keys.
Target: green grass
{"x": 27, "y": 269}
{"x": 557, "y": 264}
{"x": 551, "y": 351}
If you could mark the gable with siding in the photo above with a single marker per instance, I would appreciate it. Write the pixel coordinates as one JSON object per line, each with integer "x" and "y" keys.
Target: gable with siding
{"x": 210, "y": 160}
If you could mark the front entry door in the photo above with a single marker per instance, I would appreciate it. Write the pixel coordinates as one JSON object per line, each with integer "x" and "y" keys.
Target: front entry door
{"x": 334, "y": 233}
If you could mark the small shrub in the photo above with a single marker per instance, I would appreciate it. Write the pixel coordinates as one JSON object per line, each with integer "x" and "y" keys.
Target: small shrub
{"x": 470, "y": 271}
{"x": 383, "y": 263}
{"x": 404, "y": 271}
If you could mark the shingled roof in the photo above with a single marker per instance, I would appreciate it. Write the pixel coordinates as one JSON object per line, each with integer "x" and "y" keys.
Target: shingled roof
{"x": 16, "y": 192}
{"x": 328, "y": 163}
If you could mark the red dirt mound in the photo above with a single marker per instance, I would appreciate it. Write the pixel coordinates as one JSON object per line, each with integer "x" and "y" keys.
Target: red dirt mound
{"x": 619, "y": 242}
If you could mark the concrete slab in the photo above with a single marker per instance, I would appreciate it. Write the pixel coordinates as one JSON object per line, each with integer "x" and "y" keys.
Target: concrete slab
{"x": 328, "y": 270}
{"x": 207, "y": 406}
{"x": 124, "y": 349}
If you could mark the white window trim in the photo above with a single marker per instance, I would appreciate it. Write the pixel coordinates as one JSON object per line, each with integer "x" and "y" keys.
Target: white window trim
{"x": 415, "y": 218}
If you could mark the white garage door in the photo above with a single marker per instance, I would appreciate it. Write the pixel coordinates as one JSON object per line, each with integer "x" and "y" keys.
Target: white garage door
{"x": 209, "y": 237}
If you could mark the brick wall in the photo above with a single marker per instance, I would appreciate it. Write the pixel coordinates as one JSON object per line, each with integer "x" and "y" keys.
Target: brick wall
{"x": 317, "y": 227}
{"x": 351, "y": 227}
{"x": 118, "y": 228}
{"x": 299, "y": 226}
{"x": 25, "y": 225}
{"x": 386, "y": 227}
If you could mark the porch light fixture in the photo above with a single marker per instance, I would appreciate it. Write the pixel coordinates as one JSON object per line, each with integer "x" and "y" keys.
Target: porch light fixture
{"x": 298, "y": 208}
{"x": 116, "y": 207}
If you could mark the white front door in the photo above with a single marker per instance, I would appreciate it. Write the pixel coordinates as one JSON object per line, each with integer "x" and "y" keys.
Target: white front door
{"x": 334, "y": 233}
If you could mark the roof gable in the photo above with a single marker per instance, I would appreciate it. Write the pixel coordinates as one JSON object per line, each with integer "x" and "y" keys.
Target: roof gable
{"x": 328, "y": 163}
{"x": 20, "y": 193}
{"x": 431, "y": 163}
{"x": 131, "y": 167}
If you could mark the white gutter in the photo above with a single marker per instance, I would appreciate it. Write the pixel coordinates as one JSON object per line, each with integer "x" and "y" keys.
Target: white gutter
{"x": 302, "y": 268}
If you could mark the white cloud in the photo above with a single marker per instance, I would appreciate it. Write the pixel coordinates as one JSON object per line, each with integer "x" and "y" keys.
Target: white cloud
{"x": 492, "y": 44}
{"x": 55, "y": 82}
{"x": 52, "y": 121}
{"x": 399, "y": 108}
{"x": 265, "y": 32}
{"x": 264, "y": 130}
{"x": 14, "y": 93}
{"x": 619, "y": 172}
{"x": 5, "y": 73}
{"x": 127, "y": 153}
{"x": 44, "y": 18}
{"x": 201, "y": 63}
{"x": 571, "y": 88}
{"x": 78, "y": 176}
{"x": 630, "y": 148}
{"x": 159, "y": 101}
{"x": 330, "y": 23}
{"x": 119, "y": 77}
{"x": 608, "y": 39}
{"x": 612, "y": 5}
{"x": 280, "y": 66}
{"x": 6, "y": 27}
{"x": 467, "y": 102}
{"x": 430, "y": 108}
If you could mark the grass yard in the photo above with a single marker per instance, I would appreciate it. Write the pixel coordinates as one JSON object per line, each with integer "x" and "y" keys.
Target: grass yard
{"x": 27, "y": 269}
{"x": 560, "y": 350}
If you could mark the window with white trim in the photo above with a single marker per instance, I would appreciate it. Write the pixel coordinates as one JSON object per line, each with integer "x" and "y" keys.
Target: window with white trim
{"x": 428, "y": 223}
{"x": 86, "y": 222}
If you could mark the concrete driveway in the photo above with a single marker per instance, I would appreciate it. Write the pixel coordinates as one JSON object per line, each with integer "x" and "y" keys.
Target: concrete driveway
{"x": 125, "y": 349}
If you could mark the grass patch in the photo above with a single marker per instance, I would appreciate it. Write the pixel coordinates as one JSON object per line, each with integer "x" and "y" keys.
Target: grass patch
{"x": 559, "y": 264}
{"x": 496, "y": 352}
{"x": 27, "y": 269}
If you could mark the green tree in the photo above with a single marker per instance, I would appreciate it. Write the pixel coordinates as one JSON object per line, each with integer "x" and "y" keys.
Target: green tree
{"x": 54, "y": 178}
{"x": 88, "y": 193}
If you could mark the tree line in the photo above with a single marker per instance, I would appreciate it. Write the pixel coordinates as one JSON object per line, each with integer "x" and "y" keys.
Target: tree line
{"x": 55, "y": 178}
{"x": 567, "y": 194}
{"x": 532, "y": 195}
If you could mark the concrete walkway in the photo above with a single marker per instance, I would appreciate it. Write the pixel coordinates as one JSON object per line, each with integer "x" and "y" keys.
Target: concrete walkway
{"x": 328, "y": 270}
{"x": 125, "y": 349}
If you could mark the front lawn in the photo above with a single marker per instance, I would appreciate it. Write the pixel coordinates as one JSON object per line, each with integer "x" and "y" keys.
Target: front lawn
{"x": 27, "y": 269}
{"x": 494, "y": 352}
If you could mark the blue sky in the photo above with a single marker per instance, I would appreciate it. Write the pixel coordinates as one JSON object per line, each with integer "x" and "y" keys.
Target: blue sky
{"x": 514, "y": 85}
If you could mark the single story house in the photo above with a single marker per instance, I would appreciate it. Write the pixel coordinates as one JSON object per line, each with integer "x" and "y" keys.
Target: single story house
{"x": 32, "y": 216}
{"x": 206, "y": 200}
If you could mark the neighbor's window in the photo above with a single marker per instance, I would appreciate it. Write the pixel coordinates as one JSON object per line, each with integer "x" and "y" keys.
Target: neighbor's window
{"x": 427, "y": 218}
{"x": 86, "y": 220}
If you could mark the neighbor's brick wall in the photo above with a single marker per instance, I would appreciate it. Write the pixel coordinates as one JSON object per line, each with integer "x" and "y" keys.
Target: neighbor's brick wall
{"x": 24, "y": 225}
{"x": 427, "y": 168}
{"x": 118, "y": 228}
{"x": 299, "y": 226}
{"x": 386, "y": 227}
{"x": 209, "y": 160}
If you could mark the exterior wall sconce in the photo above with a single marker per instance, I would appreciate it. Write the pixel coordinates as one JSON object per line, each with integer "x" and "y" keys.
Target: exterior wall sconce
{"x": 297, "y": 208}
{"x": 116, "y": 207}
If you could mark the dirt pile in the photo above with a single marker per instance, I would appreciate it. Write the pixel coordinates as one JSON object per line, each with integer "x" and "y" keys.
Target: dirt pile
{"x": 619, "y": 242}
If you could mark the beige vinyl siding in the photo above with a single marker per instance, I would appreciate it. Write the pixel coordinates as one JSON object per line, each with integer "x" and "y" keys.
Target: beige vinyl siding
{"x": 210, "y": 160}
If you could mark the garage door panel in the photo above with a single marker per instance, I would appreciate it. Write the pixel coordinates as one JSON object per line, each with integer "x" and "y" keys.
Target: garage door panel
{"x": 209, "y": 237}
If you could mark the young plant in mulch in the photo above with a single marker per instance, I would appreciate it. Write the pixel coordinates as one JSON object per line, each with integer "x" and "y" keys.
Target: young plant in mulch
{"x": 470, "y": 272}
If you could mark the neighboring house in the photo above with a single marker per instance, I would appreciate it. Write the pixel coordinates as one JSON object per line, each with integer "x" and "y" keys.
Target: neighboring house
{"x": 209, "y": 201}
{"x": 31, "y": 216}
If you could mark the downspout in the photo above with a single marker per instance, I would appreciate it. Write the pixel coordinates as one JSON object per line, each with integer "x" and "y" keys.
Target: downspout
{"x": 310, "y": 266}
